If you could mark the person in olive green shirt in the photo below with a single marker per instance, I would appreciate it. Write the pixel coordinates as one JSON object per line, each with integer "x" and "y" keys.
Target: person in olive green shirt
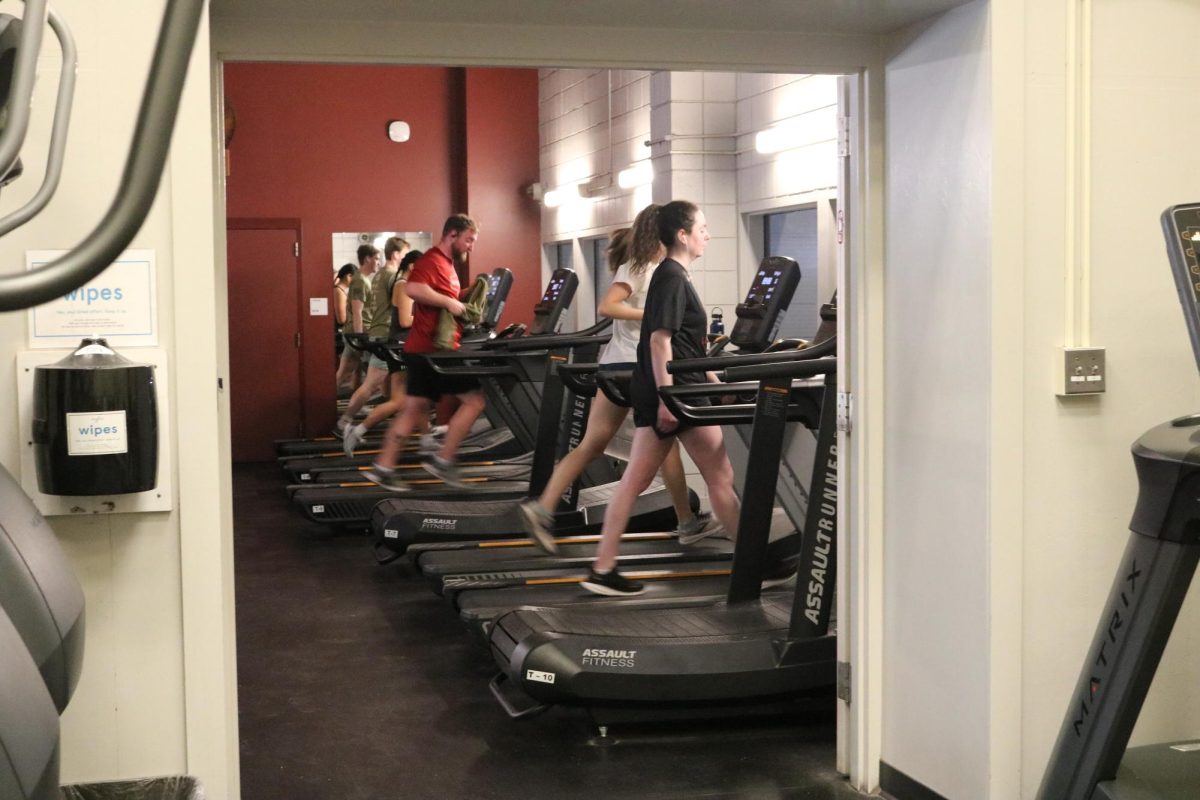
{"x": 379, "y": 316}
{"x": 358, "y": 296}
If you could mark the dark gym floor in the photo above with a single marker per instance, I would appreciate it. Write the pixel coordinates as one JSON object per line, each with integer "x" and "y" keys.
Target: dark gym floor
{"x": 356, "y": 682}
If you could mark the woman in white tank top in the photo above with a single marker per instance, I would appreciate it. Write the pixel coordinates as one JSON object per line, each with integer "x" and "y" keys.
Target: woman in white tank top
{"x": 633, "y": 258}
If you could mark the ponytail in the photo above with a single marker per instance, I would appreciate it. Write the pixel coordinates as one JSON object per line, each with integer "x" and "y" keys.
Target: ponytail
{"x": 618, "y": 248}
{"x": 644, "y": 249}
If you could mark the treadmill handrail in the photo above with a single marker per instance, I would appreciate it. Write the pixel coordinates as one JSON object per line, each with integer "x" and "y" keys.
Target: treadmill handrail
{"x": 614, "y": 382}
{"x": 820, "y": 350}
{"x": 790, "y": 369}
{"x": 722, "y": 414}
{"x": 554, "y": 340}
{"x": 140, "y": 180}
{"x": 579, "y": 378}
{"x": 474, "y": 370}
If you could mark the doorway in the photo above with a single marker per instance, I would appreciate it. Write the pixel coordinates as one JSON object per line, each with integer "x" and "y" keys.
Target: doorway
{"x": 266, "y": 373}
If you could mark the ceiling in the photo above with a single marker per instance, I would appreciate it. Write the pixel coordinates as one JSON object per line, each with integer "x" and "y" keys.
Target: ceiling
{"x": 800, "y": 16}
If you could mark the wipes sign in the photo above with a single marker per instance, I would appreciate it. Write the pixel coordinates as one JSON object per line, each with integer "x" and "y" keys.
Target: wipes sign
{"x": 96, "y": 433}
{"x": 119, "y": 304}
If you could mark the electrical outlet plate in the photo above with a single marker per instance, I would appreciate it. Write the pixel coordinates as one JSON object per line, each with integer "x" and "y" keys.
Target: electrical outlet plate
{"x": 1081, "y": 370}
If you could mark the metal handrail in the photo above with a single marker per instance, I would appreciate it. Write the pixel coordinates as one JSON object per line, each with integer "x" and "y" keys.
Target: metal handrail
{"x": 140, "y": 180}
{"x": 58, "y": 133}
{"x": 20, "y": 100}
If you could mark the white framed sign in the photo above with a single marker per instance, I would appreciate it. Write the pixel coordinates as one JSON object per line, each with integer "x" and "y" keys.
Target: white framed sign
{"x": 119, "y": 304}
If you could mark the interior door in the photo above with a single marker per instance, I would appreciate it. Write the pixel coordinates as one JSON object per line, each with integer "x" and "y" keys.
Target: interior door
{"x": 264, "y": 341}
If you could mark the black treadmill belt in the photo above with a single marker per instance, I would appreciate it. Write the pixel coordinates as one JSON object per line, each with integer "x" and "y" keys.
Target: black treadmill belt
{"x": 771, "y": 613}
{"x": 484, "y": 604}
{"x": 488, "y": 561}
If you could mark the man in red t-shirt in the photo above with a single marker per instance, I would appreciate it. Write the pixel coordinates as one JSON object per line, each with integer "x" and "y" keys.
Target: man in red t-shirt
{"x": 433, "y": 286}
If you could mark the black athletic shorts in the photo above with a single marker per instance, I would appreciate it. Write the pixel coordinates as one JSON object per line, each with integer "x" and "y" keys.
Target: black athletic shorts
{"x": 422, "y": 381}
{"x": 645, "y": 409}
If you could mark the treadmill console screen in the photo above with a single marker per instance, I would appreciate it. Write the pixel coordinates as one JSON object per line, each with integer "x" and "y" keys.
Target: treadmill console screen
{"x": 761, "y": 313}
{"x": 557, "y": 298}
{"x": 1181, "y": 227}
{"x": 498, "y": 287}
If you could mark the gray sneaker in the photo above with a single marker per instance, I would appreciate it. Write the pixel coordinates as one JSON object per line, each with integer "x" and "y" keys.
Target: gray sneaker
{"x": 539, "y": 524}
{"x": 389, "y": 480}
{"x": 444, "y": 470}
{"x": 698, "y": 527}
{"x": 352, "y": 439}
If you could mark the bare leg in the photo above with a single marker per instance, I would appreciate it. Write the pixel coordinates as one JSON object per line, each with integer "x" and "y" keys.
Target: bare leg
{"x": 673, "y": 477}
{"x": 347, "y": 369}
{"x": 415, "y": 410}
{"x": 603, "y": 421}
{"x": 644, "y": 460}
{"x": 706, "y": 446}
{"x": 373, "y": 383}
{"x": 470, "y": 407}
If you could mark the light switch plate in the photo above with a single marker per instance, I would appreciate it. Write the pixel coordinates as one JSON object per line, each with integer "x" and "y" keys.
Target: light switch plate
{"x": 1081, "y": 370}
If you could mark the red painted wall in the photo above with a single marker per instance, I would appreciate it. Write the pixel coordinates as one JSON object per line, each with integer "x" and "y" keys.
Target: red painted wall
{"x": 500, "y": 164}
{"x": 311, "y": 144}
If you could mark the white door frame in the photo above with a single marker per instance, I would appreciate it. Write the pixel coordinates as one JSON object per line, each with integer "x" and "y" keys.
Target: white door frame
{"x": 860, "y": 349}
{"x": 860, "y": 434}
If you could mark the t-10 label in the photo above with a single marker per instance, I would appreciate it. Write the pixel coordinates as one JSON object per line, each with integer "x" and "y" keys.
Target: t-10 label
{"x": 96, "y": 433}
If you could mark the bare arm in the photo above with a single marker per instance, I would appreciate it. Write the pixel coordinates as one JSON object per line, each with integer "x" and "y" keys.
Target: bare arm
{"x": 660, "y": 354}
{"x": 614, "y": 306}
{"x": 356, "y": 307}
{"x": 403, "y": 304}
{"x": 339, "y": 306}
{"x": 426, "y": 295}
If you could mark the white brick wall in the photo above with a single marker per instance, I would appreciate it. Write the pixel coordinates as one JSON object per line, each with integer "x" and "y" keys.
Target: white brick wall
{"x": 685, "y": 115}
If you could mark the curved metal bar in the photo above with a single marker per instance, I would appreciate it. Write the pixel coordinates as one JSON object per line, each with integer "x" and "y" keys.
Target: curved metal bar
{"x": 579, "y": 378}
{"x": 20, "y": 98}
{"x": 820, "y": 350}
{"x": 139, "y": 183}
{"x": 615, "y": 385}
{"x": 58, "y": 134}
{"x": 790, "y": 369}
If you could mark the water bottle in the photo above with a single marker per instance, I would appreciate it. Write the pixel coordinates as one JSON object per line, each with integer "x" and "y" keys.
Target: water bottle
{"x": 717, "y": 328}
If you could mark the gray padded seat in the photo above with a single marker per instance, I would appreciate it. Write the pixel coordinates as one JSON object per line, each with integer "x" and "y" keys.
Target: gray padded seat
{"x": 28, "y": 724}
{"x": 39, "y": 592}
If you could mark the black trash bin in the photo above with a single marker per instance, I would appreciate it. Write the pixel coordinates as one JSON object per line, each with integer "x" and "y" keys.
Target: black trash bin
{"x": 95, "y": 424}
{"x": 173, "y": 787}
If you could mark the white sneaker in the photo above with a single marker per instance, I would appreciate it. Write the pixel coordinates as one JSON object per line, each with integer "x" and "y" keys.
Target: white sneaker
{"x": 429, "y": 443}
{"x": 352, "y": 439}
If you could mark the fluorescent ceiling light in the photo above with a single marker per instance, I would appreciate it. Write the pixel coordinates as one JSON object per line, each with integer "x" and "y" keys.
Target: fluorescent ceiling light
{"x": 639, "y": 174}
{"x": 562, "y": 195}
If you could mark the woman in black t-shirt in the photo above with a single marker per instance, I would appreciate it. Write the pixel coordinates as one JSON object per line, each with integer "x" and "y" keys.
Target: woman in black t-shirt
{"x": 672, "y": 328}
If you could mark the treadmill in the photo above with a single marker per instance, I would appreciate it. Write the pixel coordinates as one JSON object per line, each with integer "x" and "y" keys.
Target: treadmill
{"x": 520, "y": 387}
{"x": 1090, "y": 760}
{"x": 673, "y": 574}
{"x": 749, "y": 652}
{"x": 457, "y": 550}
{"x": 499, "y": 284}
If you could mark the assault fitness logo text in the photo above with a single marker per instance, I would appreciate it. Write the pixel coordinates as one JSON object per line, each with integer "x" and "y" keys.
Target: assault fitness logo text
{"x": 438, "y": 524}
{"x": 595, "y": 657}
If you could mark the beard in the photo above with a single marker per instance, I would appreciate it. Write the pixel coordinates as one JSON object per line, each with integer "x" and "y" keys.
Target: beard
{"x": 461, "y": 258}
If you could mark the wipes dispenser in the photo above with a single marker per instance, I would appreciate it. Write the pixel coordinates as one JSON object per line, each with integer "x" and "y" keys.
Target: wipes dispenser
{"x": 95, "y": 424}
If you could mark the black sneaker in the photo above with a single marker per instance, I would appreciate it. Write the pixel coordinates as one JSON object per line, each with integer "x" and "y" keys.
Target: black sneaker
{"x": 539, "y": 524}
{"x": 612, "y": 584}
{"x": 444, "y": 470}
{"x": 389, "y": 480}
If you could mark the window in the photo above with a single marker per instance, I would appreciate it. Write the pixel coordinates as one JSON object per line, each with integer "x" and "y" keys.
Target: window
{"x": 562, "y": 256}
{"x": 794, "y": 234}
{"x": 601, "y": 277}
